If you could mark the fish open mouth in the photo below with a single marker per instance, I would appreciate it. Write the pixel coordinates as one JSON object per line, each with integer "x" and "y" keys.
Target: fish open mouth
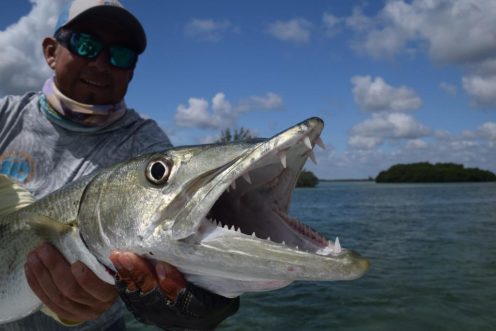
{"x": 257, "y": 194}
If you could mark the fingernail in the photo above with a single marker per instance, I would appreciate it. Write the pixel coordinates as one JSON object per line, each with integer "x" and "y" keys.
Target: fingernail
{"x": 126, "y": 262}
{"x": 114, "y": 258}
{"x": 161, "y": 272}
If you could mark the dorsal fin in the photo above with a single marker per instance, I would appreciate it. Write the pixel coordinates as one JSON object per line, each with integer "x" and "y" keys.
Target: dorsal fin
{"x": 12, "y": 196}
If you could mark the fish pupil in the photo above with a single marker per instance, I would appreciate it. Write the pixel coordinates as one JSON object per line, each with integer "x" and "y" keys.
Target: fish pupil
{"x": 158, "y": 171}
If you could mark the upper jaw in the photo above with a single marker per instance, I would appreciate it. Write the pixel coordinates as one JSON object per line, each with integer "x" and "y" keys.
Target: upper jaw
{"x": 250, "y": 197}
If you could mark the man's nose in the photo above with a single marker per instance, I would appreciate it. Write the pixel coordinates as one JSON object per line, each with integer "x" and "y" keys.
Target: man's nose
{"x": 102, "y": 61}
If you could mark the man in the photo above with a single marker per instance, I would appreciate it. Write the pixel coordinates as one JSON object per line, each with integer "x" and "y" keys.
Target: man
{"x": 78, "y": 123}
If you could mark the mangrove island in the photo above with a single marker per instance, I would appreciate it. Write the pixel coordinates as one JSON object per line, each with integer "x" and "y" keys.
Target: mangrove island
{"x": 425, "y": 172}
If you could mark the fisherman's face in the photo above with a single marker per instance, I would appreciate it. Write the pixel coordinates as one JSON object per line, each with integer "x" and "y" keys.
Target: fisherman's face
{"x": 91, "y": 81}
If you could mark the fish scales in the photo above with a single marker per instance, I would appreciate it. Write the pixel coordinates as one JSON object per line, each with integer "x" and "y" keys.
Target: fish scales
{"x": 218, "y": 212}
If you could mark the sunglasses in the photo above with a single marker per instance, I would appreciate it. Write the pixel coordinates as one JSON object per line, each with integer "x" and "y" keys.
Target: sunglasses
{"x": 89, "y": 47}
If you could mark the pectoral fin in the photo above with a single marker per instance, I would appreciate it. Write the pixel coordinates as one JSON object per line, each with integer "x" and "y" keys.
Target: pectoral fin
{"x": 12, "y": 196}
{"x": 46, "y": 227}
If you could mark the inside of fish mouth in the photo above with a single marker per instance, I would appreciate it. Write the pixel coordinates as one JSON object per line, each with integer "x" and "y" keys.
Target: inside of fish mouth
{"x": 261, "y": 207}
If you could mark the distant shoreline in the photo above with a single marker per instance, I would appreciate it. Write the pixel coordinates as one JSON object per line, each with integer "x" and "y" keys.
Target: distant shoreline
{"x": 347, "y": 180}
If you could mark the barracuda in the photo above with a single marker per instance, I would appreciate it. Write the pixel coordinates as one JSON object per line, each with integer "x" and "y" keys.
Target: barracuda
{"x": 218, "y": 212}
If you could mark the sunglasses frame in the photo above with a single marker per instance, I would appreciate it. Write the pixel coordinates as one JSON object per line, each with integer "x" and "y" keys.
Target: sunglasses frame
{"x": 64, "y": 37}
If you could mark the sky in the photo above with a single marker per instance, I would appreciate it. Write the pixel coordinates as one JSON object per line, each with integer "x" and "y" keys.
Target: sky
{"x": 394, "y": 81}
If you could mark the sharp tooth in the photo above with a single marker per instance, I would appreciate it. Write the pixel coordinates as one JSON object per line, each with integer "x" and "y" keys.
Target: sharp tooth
{"x": 307, "y": 142}
{"x": 311, "y": 155}
{"x": 268, "y": 238}
{"x": 246, "y": 176}
{"x": 297, "y": 248}
{"x": 320, "y": 143}
{"x": 253, "y": 235}
{"x": 233, "y": 185}
{"x": 227, "y": 189}
{"x": 238, "y": 230}
{"x": 337, "y": 246}
{"x": 283, "y": 242}
{"x": 282, "y": 157}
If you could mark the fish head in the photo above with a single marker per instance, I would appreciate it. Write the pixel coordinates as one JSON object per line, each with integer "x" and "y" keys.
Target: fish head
{"x": 221, "y": 211}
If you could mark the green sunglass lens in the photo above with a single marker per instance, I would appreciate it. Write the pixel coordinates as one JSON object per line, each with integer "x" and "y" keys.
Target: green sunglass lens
{"x": 122, "y": 57}
{"x": 86, "y": 45}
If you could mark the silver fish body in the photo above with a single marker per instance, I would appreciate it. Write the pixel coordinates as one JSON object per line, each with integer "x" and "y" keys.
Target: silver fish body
{"x": 218, "y": 212}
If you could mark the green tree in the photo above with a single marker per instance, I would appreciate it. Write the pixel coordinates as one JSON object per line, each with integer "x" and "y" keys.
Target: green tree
{"x": 425, "y": 172}
{"x": 240, "y": 134}
{"x": 307, "y": 179}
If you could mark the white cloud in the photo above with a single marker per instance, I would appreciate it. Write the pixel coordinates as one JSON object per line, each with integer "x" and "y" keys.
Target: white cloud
{"x": 416, "y": 144}
{"x": 459, "y": 32}
{"x": 487, "y": 131}
{"x": 479, "y": 150}
{"x": 270, "y": 101}
{"x": 448, "y": 88}
{"x": 220, "y": 105}
{"x": 358, "y": 21}
{"x": 22, "y": 65}
{"x": 362, "y": 142}
{"x": 481, "y": 88}
{"x": 223, "y": 114}
{"x": 331, "y": 24}
{"x": 209, "y": 29}
{"x": 196, "y": 114}
{"x": 296, "y": 30}
{"x": 376, "y": 95}
{"x": 380, "y": 43}
{"x": 454, "y": 31}
{"x": 386, "y": 126}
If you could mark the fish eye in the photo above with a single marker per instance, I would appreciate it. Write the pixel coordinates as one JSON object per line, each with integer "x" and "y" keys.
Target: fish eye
{"x": 158, "y": 170}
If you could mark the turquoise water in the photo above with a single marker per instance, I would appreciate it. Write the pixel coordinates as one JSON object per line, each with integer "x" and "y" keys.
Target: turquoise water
{"x": 432, "y": 249}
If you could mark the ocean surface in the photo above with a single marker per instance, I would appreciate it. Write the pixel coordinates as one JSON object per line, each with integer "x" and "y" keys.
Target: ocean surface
{"x": 432, "y": 249}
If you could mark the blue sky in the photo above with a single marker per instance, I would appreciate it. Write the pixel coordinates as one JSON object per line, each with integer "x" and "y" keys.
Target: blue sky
{"x": 394, "y": 81}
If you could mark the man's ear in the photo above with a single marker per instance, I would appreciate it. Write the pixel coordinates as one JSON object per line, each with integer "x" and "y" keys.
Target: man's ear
{"x": 49, "y": 51}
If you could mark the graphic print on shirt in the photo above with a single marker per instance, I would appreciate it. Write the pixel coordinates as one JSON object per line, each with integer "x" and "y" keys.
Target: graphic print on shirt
{"x": 17, "y": 165}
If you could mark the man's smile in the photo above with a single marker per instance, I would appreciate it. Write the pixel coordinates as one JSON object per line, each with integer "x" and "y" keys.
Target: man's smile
{"x": 95, "y": 82}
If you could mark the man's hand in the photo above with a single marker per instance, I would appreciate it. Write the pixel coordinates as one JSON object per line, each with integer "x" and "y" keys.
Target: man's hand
{"x": 157, "y": 293}
{"x": 140, "y": 275}
{"x": 73, "y": 292}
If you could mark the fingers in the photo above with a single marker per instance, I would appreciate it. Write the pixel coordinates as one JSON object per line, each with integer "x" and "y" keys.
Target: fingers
{"x": 170, "y": 279}
{"x": 91, "y": 284}
{"x": 135, "y": 271}
{"x": 40, "y": 293}
{"x": 138, "y": 274}
{"x": 52, "y": 279}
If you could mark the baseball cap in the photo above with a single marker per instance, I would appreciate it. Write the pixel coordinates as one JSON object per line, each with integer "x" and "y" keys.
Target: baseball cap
{"x": 77, "y": 10}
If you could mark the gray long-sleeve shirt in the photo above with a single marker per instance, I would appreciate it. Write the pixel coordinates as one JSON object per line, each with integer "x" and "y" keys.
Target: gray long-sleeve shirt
{"x": 43, "y": 157}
